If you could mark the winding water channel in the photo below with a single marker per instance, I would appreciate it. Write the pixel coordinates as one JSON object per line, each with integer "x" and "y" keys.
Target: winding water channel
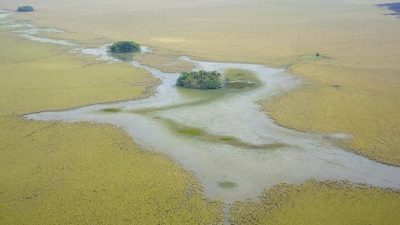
{"x": 222, "y": 136}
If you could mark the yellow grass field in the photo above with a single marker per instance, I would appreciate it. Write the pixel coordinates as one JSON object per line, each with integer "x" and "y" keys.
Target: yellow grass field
{"x": 314, "y": 203}
{"x": 357, "y": 101}
{"x": 55, "y": 173}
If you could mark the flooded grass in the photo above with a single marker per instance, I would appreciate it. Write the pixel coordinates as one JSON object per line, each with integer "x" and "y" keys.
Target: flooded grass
{"x": 226, "y": 138}
{"x": 201, "y": 96}
{"x": 241, "y": 79}
{"x": 111, "y": 110}
{"x": 203, "y": 135}
{"x": 227, "y": 184}
{"x": 162, "y": 108}
{"x": 240, "y": 74}
{"x": 191, "y": 131}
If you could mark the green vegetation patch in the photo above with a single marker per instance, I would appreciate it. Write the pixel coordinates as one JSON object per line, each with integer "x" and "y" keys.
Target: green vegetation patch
{"x": 239, "y": 79}
{"x": 124, "y": 47}
{"x": 111, "y": 110}
{"x": 315, "y": 203}
{"x": 226, "y": 138}
{"x": 183, "y": 129}
{"x": 201, "y": 80}
{"x": 190, "y": 131}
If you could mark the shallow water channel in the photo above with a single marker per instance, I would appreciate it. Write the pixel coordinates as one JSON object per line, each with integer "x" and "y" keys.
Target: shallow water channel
{"x": 222, "y": 136}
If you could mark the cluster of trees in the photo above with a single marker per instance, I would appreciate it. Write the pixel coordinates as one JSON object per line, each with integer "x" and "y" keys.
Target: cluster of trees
{"x": 201, "y": 80}
{"x": 125, "y": 47}
{"x": 26, "y": 8}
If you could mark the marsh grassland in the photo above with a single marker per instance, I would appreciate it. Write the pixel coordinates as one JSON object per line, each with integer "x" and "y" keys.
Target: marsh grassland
{"x": 359, "y": 42}
{"x": 369, "y": 107}
{"x": 54, "y": 173}
{"x": 314, "y": 202}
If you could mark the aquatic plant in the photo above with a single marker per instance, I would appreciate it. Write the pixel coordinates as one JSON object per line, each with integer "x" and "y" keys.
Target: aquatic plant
{"x": 111, "y": 110}
{"x": 125, "y": 47}
{"x": 201, "y": 80}
{"x": 227, "y": 184}
{"x": 240, "y": 79}
{"x": 26, "y": 8}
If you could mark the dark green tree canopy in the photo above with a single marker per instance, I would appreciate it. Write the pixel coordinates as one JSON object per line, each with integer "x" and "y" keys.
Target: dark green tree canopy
{"x": 26, "y": 8}
{"x": 125, "y": 47}
{"x": 201, "y": 80}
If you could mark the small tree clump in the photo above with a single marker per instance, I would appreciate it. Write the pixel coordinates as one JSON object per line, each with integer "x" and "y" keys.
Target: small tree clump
{"x": 26, "y": 8}
{"x": 125, "y": 47}
{"x": 201, "y": 80}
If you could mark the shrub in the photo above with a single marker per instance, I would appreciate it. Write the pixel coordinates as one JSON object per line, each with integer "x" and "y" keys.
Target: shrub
{"x": 26, "y": 8}
{"x": 201, "y": 80}
{"x": 125, "y": 47}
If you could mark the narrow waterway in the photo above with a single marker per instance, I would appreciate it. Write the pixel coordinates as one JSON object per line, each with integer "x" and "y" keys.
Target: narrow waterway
{"x": 222, "y": 136}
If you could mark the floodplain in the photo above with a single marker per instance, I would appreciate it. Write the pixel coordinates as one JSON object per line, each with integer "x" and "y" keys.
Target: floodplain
{"x": 347, "y": 96}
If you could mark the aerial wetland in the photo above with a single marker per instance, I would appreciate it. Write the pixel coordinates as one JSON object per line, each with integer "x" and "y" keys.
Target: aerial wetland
{"x": 212, "y": 148}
